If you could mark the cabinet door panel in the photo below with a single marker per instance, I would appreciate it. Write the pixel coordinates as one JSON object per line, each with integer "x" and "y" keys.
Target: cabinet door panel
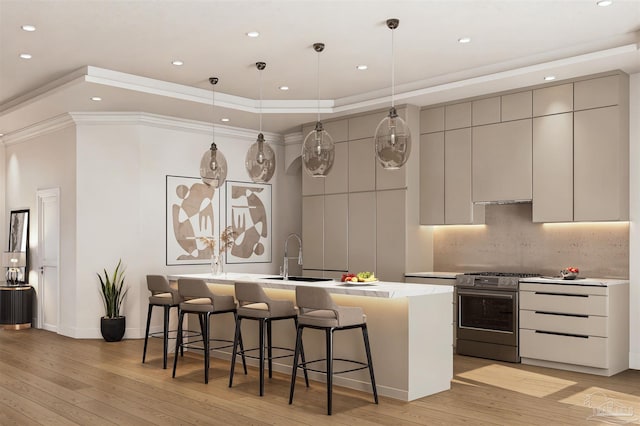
{"x": 362, "y": 231}
{"x": 486, "y": 111}
{"x": 335, "y": 232}
{"x": 597, "y": 92}
{"x": 337, "y": 178}
{"x": 598, "y": 165}
{"x": 590, "y": 351}
{"x": 362, "y": 167}
{"x": 457, "y": 181}
{"x": 365, "y": 126}
{"x": 432, "y": 120}
{"x": 432, "y": 179}
{"x": 516, "y": 106}
{"x": 553, "y": 100}
{"x": 390, "y": 234}
{"x": 502, "y": 161}
{"x": 313, "y": 232}
{"x": 457, "y": 116}
{"x": 553, "y": 168}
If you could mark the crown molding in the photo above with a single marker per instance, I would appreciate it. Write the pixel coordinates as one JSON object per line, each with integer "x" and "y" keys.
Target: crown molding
{"x": 39, "y": 129}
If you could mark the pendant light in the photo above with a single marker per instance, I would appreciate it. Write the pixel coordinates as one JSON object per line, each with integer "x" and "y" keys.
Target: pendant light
{"x": 318, "y": 149}
{"x": 393, "y": 137}
{"x": 213, "y": 166}
{"x": 260, "y": 160}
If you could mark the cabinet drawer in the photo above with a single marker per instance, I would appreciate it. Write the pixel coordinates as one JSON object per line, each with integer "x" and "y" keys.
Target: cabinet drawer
{"x": 588, "y": 351}
{"x": 564, "y": 303}
{"x": 589, "y": 325}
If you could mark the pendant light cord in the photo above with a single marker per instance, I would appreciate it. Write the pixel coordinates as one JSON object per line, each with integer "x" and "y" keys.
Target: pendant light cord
{"x": 260, "y": 74}
{"x": 318, "y": 84}
{"x": 393, "y": 73}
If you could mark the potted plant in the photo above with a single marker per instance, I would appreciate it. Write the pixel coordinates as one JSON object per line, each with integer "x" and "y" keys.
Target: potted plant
{"x": 112, "y": 324}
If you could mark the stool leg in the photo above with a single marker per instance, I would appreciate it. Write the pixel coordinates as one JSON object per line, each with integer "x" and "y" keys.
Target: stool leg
{"x": 205, "y": 335}
{"x": 365, "y": 336}
{"x": 236, "y": 338}
{"x": 146, "y": 334}
{"x": 329, "y": 337}
{"x": 165, "y": 343}
{"x": 304, "y": 365}
{"x": 178, "y": 340}
{"x": 261, "y": 321}
{"x": 269, "y": 347}
{"x": 244, "y": 360}
{"x": 294, "y": 369}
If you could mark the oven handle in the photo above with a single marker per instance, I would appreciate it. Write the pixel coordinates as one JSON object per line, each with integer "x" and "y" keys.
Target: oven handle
{"x": 498, "y": 295}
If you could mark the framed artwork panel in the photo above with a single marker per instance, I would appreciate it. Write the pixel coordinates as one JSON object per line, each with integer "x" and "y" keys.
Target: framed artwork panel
{"x": 248, "y": 206}
{"x": 19, "y": 230}
{"x": 193, "y": 210}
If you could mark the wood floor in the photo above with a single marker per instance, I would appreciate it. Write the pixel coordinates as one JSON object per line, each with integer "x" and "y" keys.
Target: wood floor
{"x": 52, "y": 380}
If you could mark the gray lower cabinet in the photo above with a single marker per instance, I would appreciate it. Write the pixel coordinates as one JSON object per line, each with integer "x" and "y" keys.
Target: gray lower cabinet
{"x": 573, "y": 327}
{"x": 553, "y": 168}
{"x": 502, "y": 162}
{"x": 362, "y": 231}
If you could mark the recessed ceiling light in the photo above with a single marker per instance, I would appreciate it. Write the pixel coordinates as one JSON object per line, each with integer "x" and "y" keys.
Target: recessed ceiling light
{"x": 96, "y": 98}
{"x": 253, "y": 34}
{"x": 177, "y": 62}
{"x": 464, "y": 40}
{"x": 283, "y": 88}
{"x": 225, "y": 120}
{"x": 604, "y": 3}
{"x": 29, "y": 28}
{"x": 361, "y": 67}
{"x": 25, "y": 56}
{"x": 550, "y": 78}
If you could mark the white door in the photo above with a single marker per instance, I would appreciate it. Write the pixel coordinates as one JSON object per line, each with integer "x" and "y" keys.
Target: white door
{"x": 48, "y": 249}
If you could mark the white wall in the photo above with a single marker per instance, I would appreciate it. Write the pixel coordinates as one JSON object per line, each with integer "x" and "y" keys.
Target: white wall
{"x": 634, "y": 217}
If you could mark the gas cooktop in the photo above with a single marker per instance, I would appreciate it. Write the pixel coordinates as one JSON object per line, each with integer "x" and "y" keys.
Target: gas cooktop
{"x": 503, "y": 274}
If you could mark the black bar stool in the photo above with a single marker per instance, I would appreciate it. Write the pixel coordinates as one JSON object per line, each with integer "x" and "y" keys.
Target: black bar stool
{"x": 255, "y": 305}
{"x": 317, "y": 310}
{"x": 166, "y": 297}
{"x": 198, "y": 299}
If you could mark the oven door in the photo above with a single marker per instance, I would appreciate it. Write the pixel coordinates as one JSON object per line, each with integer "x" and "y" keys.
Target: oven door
{"x": 488, "y": 316}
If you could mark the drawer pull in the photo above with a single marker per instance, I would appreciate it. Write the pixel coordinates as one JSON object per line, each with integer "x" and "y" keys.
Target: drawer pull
{"x": 562, "y": 334}
{"x": 546, "y": 293}
{"x": 562, "y": 315}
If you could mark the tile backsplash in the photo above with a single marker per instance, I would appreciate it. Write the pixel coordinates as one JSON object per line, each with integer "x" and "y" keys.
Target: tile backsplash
{"x": 510, "y": 242}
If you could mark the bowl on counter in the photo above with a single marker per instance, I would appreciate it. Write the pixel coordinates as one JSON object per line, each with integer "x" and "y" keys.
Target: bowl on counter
{"x": 568, "y": 275}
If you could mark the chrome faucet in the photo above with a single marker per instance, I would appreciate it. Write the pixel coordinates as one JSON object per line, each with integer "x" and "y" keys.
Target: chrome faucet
{"x": 285, "y": 266}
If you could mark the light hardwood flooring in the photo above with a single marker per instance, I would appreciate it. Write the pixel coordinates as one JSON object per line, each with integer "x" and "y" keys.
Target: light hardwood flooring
{"x": 53, "y": 380}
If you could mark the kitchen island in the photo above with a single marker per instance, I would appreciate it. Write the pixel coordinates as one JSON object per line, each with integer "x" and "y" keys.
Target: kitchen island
{"x": 410, "y": 331}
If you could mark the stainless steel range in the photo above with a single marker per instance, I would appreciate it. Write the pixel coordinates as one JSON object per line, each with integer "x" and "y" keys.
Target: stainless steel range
{"x": 487, "y": 317}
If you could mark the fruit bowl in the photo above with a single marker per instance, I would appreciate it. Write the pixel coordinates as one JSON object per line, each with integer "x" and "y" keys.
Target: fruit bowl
{"x": 569, "y": 273}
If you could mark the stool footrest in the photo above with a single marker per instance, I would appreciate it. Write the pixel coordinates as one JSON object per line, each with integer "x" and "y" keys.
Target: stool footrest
{"x": 173, "y": 333}
{"x": 304, "y": 365}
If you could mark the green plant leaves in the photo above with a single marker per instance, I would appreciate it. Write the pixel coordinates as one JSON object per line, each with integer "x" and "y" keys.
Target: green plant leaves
{"x": 113, "y": 291}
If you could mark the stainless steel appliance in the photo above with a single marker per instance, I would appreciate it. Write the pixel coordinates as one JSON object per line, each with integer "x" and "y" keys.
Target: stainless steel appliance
{"x": 487, "y": 314}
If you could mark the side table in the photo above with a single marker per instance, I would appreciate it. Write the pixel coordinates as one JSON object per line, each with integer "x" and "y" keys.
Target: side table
{"x": 16, "y": 306}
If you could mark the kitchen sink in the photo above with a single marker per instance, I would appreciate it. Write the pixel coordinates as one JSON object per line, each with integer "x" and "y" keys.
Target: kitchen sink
{"x": 303, "y": 279}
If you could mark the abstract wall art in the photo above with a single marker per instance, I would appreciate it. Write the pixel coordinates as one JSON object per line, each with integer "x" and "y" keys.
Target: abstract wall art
{"x": 193, "y": 210}
{"x": 249, "y": 216}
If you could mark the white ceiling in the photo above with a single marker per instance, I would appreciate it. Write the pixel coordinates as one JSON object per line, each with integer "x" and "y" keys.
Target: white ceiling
{"x": 122, "y": 52}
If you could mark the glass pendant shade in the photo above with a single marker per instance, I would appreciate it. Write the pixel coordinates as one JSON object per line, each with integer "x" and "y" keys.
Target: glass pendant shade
{"x": 318, "y": 152}
{"x": 260, "y": 161}
{"x": 393, "y": 141}
{"x": 213, "y": 167}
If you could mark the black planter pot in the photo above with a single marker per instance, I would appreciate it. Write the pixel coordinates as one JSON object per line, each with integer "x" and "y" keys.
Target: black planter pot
{"x": 112, "y": 329}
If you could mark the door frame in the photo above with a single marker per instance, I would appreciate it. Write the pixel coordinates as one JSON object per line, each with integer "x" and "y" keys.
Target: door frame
{"x": 40, "y": 194}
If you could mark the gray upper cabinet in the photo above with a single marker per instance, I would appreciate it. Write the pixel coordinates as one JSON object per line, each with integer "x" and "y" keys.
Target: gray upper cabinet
{"x": 362, "y": 231}
{"x": 338, "y": 129}
{"x": 362, "y": 165}
{"x": 502, "y": 162}
{"x": 391, "y": 234}
{"x": 458, "y": 208}
{"x": 337, "y": 179}
{"x": 364, "y": 126}
{"x": 485, "y": 111}
{"x": 601, "y": 165}
{"x": 553, "y": 168}
{"x": 598, "y": 92}
{"x": 516, "y": 106}
{"x": 553, "y": 100}
{"x": 432, "y": 179}
{"x": 457, "y": 116}
{"x": 432, "y": 120}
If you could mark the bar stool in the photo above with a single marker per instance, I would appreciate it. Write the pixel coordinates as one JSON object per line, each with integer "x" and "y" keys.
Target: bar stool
{"x": 317, "y": 310}
{"x": 166, "y": 297}
{"x": 255, "y": 305}
{"x": 198, "y": 299}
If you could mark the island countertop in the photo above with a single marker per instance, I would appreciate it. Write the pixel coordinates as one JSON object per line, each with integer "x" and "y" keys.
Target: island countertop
{"x": 383, "y": 289}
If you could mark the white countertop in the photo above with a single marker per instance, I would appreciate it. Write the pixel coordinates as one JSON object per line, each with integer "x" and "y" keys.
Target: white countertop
{"x": 382, "y": 289}
{"x": 449, "y": 275}
{"x": 600, "y": 282}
